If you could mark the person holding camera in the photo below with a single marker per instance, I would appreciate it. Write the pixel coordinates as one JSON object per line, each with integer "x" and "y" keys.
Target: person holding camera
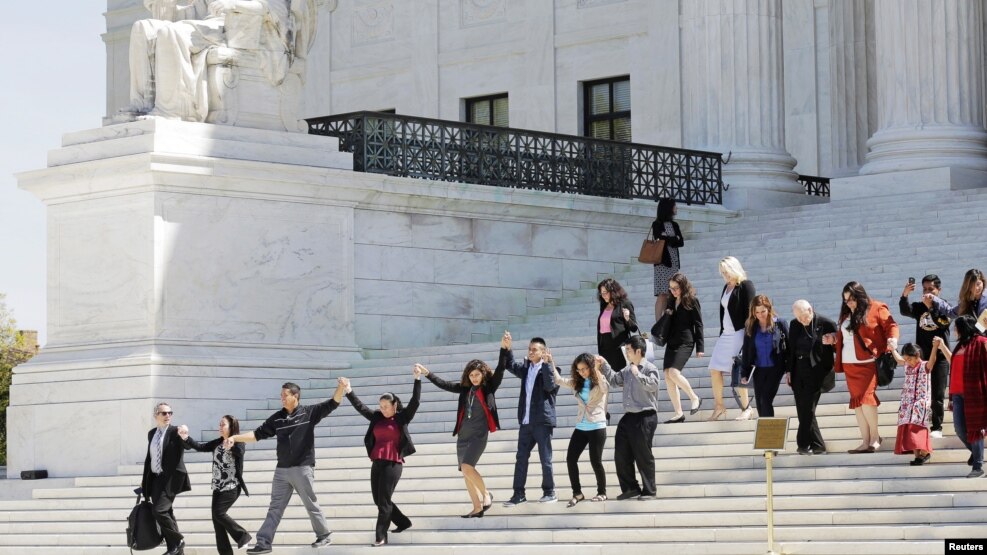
{"x": 928, "y": 326}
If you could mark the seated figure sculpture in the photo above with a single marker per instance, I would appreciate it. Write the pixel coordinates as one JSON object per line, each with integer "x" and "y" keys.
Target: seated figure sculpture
{"x": 233, "y": 62}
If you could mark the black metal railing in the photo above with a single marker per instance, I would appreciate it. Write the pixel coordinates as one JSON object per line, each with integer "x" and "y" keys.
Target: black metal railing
{"x": 815, "y": 185}
{"x": 442, "y": 150}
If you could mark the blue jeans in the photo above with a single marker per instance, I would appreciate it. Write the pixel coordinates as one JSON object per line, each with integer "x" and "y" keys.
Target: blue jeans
{"x": 959, "y": 424}
{"x": 528, "y": 436}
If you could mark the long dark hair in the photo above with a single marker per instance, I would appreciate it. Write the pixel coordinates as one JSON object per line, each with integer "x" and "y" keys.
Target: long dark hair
{"x": 617, "y": 293}
{"x": 233, "y": 423}
{"x": 966, "y": 330}
{"x": 666, "y": 210}
{"x": 972, "y": 276}
{"x": 476, "y": 364}
{"x": 393, "y": 399}
{"x": 752, "y": 323}
{"x": 594, "y": 377}
{"x": 858, "y": 294}
{"x": 687, "y": 293}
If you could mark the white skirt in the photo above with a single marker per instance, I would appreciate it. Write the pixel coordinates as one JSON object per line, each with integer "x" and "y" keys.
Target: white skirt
{"x": 727, "y": 347}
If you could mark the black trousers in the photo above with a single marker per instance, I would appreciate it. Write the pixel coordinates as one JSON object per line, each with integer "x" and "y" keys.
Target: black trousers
{"x": 807, "y": 392}
{"x": 384, "y": 477}
{"x": 940, "y": 380}
{"x": 632, "y": 446}
{"x": 577, "y": 444}
{"x": 766, "y": 382}
{"x": 223, "y": 524}
{"x": 164, "y": 513}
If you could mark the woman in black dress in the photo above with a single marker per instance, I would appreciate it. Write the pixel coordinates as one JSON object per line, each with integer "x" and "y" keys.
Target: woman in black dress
{"x": 615, "y": 323}
{"x": 664, "y": 227}
{"x": 476, "y": 417}
{"x": 388, "y": 442}
{"x": 227, "y": 482}
{"x": 685, "y": 333}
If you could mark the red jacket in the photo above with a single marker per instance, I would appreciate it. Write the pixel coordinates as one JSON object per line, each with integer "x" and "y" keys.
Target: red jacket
{"x": 877, "y": 328}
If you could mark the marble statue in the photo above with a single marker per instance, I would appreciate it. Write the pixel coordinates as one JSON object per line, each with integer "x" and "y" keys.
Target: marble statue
{"x": 234, "y": 62}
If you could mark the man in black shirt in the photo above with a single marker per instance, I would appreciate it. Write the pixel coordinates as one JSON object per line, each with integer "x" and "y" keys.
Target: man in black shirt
{"x": 294, "y": 426}
{"x": 927, "y": 326}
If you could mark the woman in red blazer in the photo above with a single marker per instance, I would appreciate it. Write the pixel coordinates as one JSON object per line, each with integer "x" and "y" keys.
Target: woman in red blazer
{"x": 865, "y": 331}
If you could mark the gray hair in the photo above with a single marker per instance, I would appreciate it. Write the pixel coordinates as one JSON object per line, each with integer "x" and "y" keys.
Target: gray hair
{"x": 158, "y": 406}
{"x": 801, "y": 305}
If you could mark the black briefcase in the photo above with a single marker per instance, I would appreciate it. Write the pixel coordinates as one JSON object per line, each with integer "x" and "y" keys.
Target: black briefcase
{"x": 143, "y": 531}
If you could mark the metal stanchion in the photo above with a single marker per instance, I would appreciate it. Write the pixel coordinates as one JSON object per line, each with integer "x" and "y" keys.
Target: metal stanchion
{"x": 771, "y": 435}
{"x": 768, "y": 456}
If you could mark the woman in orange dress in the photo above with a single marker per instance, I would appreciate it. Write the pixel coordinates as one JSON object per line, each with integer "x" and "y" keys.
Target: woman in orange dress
{"x": 864, "y": 332}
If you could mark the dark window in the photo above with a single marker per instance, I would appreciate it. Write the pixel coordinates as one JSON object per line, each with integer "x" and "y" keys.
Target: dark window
{"x": 487, "y": 110}
{"x": 388, "y": 111}
{"x": 607, "y": 109}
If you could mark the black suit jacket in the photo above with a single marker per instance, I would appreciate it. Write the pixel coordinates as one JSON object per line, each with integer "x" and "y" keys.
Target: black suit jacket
{"x": 402, "y": 417}
{"x": 173, "y": 472}
{"x": 542, "y": 393}
{"x": 780, "y": 347}
{"x": 620, "y": 328}
{"x": 674, "y": 241}
{"x": 822, "y": 356}
{"x": 239, "y": 449}
{"x": 738, "y": 305}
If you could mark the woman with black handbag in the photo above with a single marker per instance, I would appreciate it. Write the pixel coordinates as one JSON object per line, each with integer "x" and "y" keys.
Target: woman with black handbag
{"x": 765, "y": 348}
{"x": 665, "y": 228}
{"x": 810, "y": 371}
{"x": 866, "y": 331}
{"x": 615, "y": 323}
{"x": 684, "y": 333}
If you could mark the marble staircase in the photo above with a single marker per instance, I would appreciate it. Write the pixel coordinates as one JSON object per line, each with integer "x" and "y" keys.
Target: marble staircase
{"x": 711, "y": 483}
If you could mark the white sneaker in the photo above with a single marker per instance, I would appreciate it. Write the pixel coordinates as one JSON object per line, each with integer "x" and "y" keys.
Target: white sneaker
{"x": 936, "y": 434}
{"x": 746, "y": 414}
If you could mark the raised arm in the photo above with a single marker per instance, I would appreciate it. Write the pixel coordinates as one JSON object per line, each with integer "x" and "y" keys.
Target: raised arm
{"x": 416, "y": 397}
{"x": 354, "y": 400}
{"x": 439, "y": 382}
{"x": 615, "y": 379}
{"x": 506, "y": 358}
{"x": 650, "y": 381}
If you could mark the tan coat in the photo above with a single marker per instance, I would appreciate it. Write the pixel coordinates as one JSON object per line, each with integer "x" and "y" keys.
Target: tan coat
{"x": 599, "y": 396}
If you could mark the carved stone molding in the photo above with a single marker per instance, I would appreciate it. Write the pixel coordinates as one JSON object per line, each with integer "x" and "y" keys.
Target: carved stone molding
{"x": 373, "y": 23}
{"x": 482, "y": 12}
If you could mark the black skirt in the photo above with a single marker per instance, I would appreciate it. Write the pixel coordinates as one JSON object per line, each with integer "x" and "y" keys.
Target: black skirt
{"x": 678, "y": 356}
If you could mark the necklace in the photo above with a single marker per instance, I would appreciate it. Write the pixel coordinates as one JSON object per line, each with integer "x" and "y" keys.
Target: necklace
{"x": 469, "y": 403}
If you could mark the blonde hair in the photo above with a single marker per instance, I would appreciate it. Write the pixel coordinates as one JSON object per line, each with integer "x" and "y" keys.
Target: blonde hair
{"x": 734, "y": 272}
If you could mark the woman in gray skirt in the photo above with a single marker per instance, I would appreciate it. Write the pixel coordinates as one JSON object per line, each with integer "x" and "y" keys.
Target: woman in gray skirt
{"x": 475, "y": 419}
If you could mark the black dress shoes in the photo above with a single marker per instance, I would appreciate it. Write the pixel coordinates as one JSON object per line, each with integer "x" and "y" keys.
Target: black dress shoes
{"x": 679, "y": 418}
{"x": 628, "y": 495}
{"x": 246, "y": 539}
{"x": 400, "y": 529}
{"x": 177, "y": 550}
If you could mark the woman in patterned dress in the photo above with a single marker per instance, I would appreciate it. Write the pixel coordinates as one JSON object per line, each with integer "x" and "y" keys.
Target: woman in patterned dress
{"x": 664, "y": 227}
{"x": 227, "y": 482}
{"x": 915, "y": 411}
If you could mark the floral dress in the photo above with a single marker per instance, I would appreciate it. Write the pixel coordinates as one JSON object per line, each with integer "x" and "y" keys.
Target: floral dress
{"x": 916, "y": 398}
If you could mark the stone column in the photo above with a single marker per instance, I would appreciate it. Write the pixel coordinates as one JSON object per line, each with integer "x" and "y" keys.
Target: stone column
{"x": 930, "y": 86}
{"x": 733, "y": 98}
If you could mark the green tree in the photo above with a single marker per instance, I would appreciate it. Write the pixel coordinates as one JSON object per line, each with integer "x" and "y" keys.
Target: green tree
{"x": 13, "y": 351}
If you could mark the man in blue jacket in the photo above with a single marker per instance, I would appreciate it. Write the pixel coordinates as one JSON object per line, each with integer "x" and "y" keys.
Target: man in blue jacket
{"x": 535, "y": 414}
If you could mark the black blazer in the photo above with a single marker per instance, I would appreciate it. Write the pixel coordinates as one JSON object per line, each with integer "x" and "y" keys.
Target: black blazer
{"x": 779, "y": 347}
{"x": 239, "y": 449}
{"x": 542, "y": 394}
{"x": 671, "y": 241}
{"x": 739, "y": 304}
{"x": 822, "y": 357}
{"x": 686, "y": 327}
{"x": 173, "y": 471}
{"x": 402, "y": 417}
{"x": 489, "y": 390}
{"x": 619, "y": 327}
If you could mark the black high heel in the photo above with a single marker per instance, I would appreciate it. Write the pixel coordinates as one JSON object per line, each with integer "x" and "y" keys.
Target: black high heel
{"x": 681, "y": 418}
{"x": 478, "y": 514}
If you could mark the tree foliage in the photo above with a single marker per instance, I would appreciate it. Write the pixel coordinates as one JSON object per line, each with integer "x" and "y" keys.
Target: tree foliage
{"x": 13, "y": 351}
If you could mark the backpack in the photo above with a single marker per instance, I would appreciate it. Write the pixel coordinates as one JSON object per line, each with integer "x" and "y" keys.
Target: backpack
{"x": 143, "y": 531}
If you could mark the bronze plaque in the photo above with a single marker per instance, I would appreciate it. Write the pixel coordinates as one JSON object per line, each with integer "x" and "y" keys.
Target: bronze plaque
{"x": 771, "y": 434}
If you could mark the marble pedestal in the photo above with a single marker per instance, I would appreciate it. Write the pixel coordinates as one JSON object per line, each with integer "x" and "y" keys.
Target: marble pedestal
{"x": 189, "y": 263}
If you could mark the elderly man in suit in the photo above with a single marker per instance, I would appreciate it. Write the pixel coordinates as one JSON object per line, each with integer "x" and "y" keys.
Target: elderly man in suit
{"x": 165, "y": 475}
{"x": 811, "y": 355}
{"x": 535, "y": 414}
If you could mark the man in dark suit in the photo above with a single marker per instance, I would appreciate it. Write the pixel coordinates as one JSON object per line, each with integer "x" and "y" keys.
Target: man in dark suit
{"x": 535, "y": 414}
{"x": 165, "y": 476}
{"x": 811, "y": 354}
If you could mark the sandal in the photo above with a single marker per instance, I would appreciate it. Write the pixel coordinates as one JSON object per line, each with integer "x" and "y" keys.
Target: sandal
{"x": 601, "y": 497}
{"x": 576, "y": 499}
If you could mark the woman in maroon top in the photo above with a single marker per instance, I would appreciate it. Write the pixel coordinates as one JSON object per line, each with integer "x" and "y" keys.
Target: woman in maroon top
{"x": 388, "y": 443}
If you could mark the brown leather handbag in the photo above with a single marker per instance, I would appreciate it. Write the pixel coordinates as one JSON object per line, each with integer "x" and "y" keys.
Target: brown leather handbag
{"x": 652, "y": 249}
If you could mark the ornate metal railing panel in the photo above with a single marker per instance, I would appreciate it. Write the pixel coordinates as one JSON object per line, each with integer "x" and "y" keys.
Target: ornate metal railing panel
{"x": 815, "y": 185}
{"x": 452, "y": 151}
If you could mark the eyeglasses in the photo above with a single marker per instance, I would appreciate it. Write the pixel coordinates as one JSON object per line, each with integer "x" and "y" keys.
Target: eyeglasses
{"x": 166, "y": 413}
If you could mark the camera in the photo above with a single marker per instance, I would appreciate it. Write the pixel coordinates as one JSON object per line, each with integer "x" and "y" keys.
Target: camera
{"x": 911, "y": 281}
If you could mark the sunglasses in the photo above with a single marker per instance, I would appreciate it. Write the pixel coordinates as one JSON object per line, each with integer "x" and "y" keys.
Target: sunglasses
{"x": 166, "y": 413}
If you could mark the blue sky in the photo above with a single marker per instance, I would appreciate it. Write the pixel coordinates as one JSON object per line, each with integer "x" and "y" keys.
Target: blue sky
{"x": 54, "y": 82}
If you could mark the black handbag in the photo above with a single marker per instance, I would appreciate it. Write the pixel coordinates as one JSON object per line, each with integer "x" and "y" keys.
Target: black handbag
{"x": 659, "y": 331}
{"x": 885, "y": 364}
{"x": 143, "y": 531}
{"x": 828, "y": 381}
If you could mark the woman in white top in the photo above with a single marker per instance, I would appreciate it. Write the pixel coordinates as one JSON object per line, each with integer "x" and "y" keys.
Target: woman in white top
{"x": 735, "y": 302}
